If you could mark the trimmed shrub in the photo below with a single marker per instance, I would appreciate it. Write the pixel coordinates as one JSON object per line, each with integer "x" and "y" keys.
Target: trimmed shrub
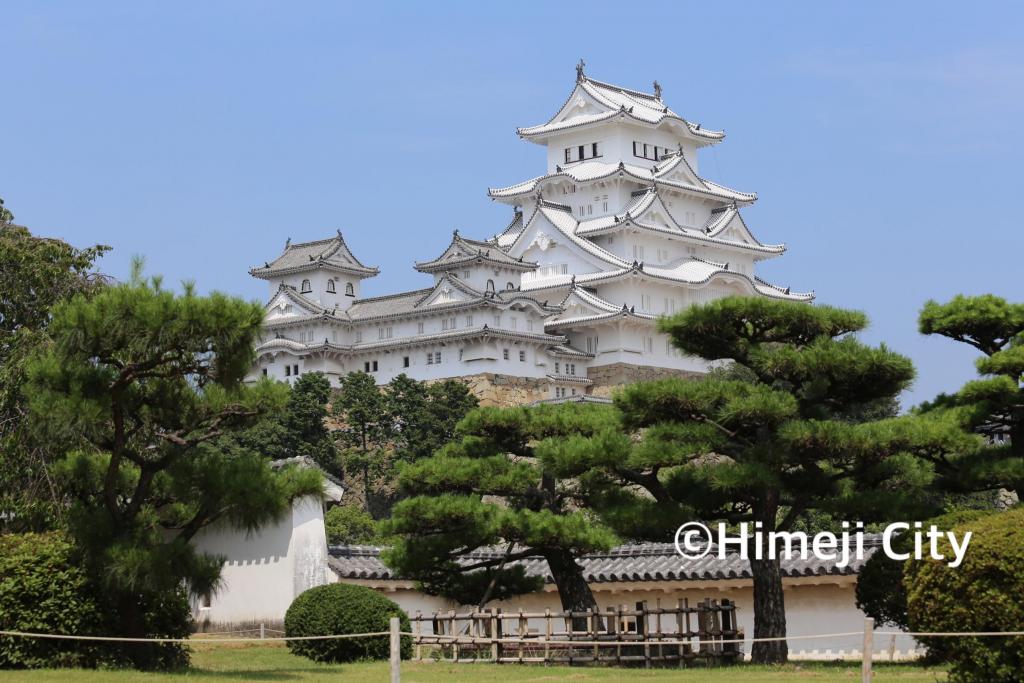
{"x": 982, "y": 594}
{"x": 880, "y": 592}
{"x": 42, "y": 592}
{"x": 338, "y": 608}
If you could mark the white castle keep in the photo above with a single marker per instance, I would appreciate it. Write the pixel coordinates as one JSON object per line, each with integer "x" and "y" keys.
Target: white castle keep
{"x": 620, "y": 230}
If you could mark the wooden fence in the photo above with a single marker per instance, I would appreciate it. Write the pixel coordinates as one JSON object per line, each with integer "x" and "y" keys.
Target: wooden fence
{"x": 617, "y": 635}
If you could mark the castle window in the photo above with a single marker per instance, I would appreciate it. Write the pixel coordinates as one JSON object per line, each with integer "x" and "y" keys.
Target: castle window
{"x": 295, "y": 370}
{"x": 509, "y": 286}
{"x": 287, "y": 371}
{"x": 504, "y": 354}
{"x": 469, "y": 321}
{"x": 330, "y": 287}
{"x": 306, "y": 287}
{"x": 556, "y": 367}
{"x": 490, "y": 286}
{"x": 430, "y": 358}
{"x": 522, "y": 356}
{"x": 264, "y": 372}
{"x": 582, "y": 152}
{"x": 419, "y": 328}
{"x": 349, "y": 289}
{"x": 405, "y": 361}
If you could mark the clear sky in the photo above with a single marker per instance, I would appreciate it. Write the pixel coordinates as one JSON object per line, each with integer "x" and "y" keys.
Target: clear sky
{"x": 883, "y": 139}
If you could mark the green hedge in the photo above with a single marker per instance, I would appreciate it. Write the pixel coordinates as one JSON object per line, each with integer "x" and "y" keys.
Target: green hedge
{"x": 42, "y": 591}
{"x": 338, "y": 608}
{"x": 983, "y": 594}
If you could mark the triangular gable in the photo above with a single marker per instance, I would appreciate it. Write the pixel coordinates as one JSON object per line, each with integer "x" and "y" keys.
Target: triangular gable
{"x": 734, "y": 229}
{"x": 678, "y": 170}
{"x": 581, "y": 103}
{"x": 288, "y": 304}
{"x": 578, "y": 304}
{"x": 448, "y": 290}
{"x": 656, "y": 214}
{"x": 552, "y": 229}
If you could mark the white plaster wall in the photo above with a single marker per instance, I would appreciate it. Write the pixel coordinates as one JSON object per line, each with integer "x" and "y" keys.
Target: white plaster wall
{"x": 264, "y": 571}
{"x": 811, "y": 608}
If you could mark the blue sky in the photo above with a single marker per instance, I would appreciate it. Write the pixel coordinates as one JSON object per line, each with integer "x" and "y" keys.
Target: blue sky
{"x": 884, "y": 139}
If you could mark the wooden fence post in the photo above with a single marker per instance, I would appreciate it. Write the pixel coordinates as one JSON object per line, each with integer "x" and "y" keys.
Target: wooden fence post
{"x": 868, "y": 648}
{"x": 396, "y": 651}
{"x": 419, "y": 635}
{"x": 495, "y": 654}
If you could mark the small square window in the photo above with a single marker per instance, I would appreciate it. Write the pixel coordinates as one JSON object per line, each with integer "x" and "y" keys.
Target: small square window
{"x": 504, "y": 354}
{"x": 522, "y": 356}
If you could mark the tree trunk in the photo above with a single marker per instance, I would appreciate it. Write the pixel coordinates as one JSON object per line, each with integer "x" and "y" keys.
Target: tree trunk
{"x": 769, "y": 612}
{"x": 573, "y": 590}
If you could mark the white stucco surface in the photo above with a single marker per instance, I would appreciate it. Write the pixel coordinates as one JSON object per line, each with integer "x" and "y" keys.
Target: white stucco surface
{"x": 267, "y": 569}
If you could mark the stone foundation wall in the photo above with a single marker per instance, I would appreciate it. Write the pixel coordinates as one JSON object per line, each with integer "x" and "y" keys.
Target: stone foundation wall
{"x": 506, "y": 390}
{"x": 607, "y": 378}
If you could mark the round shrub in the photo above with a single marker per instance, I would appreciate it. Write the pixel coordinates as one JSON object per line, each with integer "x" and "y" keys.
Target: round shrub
{"x": 880, "y": 592}
{"x": 982, "y": 594}
{"x": 338, "y": 608}
{"x": 42, "y": 591}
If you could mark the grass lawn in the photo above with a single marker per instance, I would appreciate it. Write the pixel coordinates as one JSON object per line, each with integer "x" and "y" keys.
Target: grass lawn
{"x": 272, "y": 662}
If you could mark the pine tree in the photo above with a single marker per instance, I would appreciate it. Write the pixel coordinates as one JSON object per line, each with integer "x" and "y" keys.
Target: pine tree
{"x": 367, "y": 429}
{"x": 496, "y": 489}
{"x": 146, "y": 382}
{"x": 767, "y": 443}
{"x": 993, "y": 405}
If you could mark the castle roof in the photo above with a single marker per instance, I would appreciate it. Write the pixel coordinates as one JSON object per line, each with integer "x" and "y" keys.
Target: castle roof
{"x": 673, "y": 172}
{"x": 725, "y": 227}
{"x": 463, "y": 252}
{"x": 594, "y": 102}
{"x": 477, "y": 332}
{"x": 449, "y": 294}
{"x": 330, "y": 254}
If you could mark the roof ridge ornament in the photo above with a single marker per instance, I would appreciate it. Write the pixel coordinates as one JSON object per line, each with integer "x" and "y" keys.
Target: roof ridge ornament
{"x": 580, "y": 76}
{"x": 288, "y": 243}
{"x": 657, "y": 89}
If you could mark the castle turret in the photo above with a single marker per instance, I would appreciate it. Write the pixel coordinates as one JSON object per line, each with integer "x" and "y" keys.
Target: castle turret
{"x": 325, "y": 271}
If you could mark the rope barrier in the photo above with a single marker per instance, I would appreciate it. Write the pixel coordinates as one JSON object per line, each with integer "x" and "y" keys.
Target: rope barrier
{"x": 462, "y": 640}
{"x": 116, "y": 639}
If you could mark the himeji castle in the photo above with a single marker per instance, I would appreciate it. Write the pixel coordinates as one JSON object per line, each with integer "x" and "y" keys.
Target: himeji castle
{"x": 619, "y": 230}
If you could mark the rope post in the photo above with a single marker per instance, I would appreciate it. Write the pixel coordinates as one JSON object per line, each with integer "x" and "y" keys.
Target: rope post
{"x": 263, "y": 631}
{"x": 868, "y": 648}
{"x": 396, "y": 652}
